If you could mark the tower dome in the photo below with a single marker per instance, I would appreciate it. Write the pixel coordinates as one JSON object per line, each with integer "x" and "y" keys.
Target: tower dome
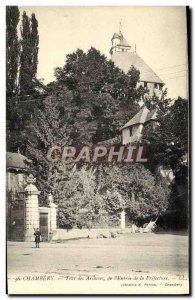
{"x": 119, "y": 43}
{"x": 115, "y": 39}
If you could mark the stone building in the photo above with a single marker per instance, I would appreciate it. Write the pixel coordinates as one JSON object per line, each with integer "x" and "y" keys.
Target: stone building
{"x": 123, "y": 57}
{"x": 132, "y": 130}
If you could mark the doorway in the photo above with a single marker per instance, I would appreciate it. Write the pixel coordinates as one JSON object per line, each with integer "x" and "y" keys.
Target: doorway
{"x": 44, "y": 226}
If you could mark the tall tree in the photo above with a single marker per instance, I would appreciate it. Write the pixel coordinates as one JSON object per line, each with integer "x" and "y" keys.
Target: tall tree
{"x": 24, "y": 69}
{"x": 168, "y": 147}
{"x": 104, "y": 97}
{"x": 12, "y": 63}
{"x": 47, "y": 129}
{"x": 25, "y": 77}
{"x": 34, "y": 43}
{"x": 29, "y": 55}
{"x": 12, "y": 49}
{"x": 168, "y": 143}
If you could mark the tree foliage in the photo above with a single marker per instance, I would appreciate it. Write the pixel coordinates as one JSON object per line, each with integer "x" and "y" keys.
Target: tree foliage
{"x": 137, "y": 190}
{"x": 168, "y": 143}
{"x": 46, "y": 130}
{"x": 84, "y": 202}
{"x": 29, "y": 55}
{"x": 168, "y": 147}
{"x": 104, "y": 97}
{"x": 21, "y": 69}
{"x": 12, "y": 49}
{"x": 79, "y": 204}
{"x": 92, "y": 99}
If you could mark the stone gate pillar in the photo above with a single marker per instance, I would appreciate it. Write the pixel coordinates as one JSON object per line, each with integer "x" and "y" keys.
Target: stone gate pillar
{"x": 123, "y": 219}
{"x": 31, "y": 209}
{"x": 53, "y": 214}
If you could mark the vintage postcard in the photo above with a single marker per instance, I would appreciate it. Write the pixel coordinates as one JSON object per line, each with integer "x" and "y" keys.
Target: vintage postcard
{"x": 97, "y": 162}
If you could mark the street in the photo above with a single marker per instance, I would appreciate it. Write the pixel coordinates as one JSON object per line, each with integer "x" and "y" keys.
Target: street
{"x": 135, "y": 252}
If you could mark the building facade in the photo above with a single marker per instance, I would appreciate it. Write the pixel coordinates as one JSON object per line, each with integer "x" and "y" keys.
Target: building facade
{"x": 132, "y": 130}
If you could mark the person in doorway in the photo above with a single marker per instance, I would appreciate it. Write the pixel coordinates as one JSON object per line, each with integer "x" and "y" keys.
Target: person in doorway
{"x": 37, "y": 235}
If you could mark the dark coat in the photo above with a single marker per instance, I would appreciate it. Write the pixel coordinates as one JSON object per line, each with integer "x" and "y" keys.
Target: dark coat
{"x": 37, "y": 235}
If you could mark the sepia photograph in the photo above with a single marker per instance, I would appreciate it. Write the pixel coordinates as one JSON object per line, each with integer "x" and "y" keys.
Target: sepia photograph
{"x": 97, "y": 150}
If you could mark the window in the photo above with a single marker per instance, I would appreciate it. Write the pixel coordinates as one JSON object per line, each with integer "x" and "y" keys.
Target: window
{"x": 130, "y": 131}
{"x": 156, "y": 85}
{"x": 145, "y": 84}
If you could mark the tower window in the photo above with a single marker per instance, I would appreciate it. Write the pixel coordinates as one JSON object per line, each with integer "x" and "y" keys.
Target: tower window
{"x": 130, "y": 131}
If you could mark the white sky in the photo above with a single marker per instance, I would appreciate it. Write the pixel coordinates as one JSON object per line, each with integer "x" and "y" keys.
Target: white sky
{"x": 158, "y": 32}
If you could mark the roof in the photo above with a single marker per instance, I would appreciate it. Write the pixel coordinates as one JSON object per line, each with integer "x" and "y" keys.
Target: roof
{"x": 123, "y": 41}
{"x": 115, "y": 35}
{"x": 16, "y": 161}
{"x": 124, "y": 61}
{"x": 143, "y": 116}
{"x": 151, "y": 115}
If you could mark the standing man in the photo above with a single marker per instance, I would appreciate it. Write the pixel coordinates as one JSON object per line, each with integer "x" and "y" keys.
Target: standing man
{"x": 37, "y": 235}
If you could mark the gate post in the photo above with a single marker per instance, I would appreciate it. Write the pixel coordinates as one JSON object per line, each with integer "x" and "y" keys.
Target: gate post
{"x": 31, "y": 209}
{"x": 123, "y": 219}
{"x": 53, "y": 214}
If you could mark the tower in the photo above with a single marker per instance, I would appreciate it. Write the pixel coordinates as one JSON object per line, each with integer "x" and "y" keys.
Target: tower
{"x": 124, "y": 58}
{"x": 119, "y": 43}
